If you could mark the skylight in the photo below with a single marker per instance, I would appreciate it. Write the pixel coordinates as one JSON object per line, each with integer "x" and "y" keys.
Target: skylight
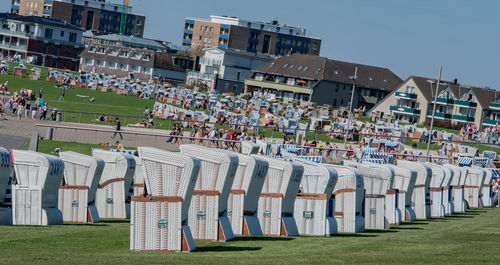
{"x": 285, "y": 66}
{"x": 319, "y": 69}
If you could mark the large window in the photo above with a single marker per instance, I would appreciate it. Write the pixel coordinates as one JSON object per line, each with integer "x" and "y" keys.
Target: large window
{"x": 48, "y": 33}
{"x": 72, "y": 37}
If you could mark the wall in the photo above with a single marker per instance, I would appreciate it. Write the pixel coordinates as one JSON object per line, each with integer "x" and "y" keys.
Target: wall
{"x": 234, "y": 87}
{"x": 325, "y": 92}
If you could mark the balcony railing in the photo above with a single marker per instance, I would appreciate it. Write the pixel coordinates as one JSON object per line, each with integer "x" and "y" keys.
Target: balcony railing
{"x": 278, "y": 86}
{"x": 443, "y": 101}
{"x": 463, "y": 118}
{"x": 491, "y": 122}
{"x": 406, "y": 95}
{"x": 439, "y": 115}
{"x": 465, "y": 103}
{"x": 405, "y": 110}
{"x": 495, "y": 106}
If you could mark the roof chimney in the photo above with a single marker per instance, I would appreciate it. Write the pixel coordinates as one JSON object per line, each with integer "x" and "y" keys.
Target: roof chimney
{"x": 455, "y": 81}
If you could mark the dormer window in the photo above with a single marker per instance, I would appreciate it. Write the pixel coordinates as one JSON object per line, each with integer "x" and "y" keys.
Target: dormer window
{"x": 124, "y": 54}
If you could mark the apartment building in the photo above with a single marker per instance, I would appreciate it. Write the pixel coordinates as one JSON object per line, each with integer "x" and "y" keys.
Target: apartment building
{"x": 324, "y": 81}
{"x": 225, "y": 70}
{"x": 251, "y": 36}
{"x": 119, "y": 55}
{"x": 96, "y": 15}
{"x": 40, "y": 41}
{"x": 456, "y": 104}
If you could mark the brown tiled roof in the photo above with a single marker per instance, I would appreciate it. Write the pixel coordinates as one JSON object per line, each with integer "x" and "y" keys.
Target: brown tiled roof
{"x": 321, "y": 68}
{"x": 484, "y": 96}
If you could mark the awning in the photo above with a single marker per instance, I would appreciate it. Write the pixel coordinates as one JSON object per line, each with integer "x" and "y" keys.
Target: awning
{"x": 372, "y": 160}
{"x": 464, "y": 161}
{"x": 316, "y": 159}
{"x": 495, "y": 172}
{"x": 490, "y": 155}
{"x": 389, "y": 143}
{"x": 482, "y": 161}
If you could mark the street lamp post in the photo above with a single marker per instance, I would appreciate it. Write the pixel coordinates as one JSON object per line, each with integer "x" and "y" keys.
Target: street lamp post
{"x": 434, "y": 111}
{"x": 355, "y": 77}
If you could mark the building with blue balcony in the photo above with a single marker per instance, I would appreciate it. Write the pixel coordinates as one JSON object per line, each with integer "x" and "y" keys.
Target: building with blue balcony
{"x": 456, "y": 105}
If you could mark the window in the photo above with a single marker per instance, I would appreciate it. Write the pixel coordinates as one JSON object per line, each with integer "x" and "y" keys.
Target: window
{"x": 238, "y": 76}
{"x": 146, "y": 70}
{"x": 300, "y": 68}
{"x": 62, "y": 33}
{"x": 48, "y": 33}
{"x": 72, "y": 37}
{"x": 147, "y": 57}
{"x": 335, "y": 71}
{"x": 111, "y": 65}
{"x": 124, "y": 54}
{"x": 370, "y": 78}
{"x": 137, "y": 55}
{"x": 113, "y": 52}
{"x": 202, "y": 28}
{"x": 139, "y": 22}
{"x": 201, "y": 37}
{"x": 92, "y": 49}
{"x": 211, "y": 29}
{"x": 123, "y": 66}
{"x": 101, "y": 50}
{"x": 88, "y": 61}
{"x": 209, "y": 39}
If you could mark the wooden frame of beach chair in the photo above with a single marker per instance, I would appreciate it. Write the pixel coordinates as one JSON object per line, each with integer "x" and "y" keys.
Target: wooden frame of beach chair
{"x": 82, "y": 174}
{"x": 208, "y": 211}
{"x": 159, "y": 219}
{"x": 35, "y": 195}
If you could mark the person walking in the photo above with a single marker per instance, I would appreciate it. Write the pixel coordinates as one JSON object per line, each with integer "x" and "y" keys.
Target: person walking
{"x": 118, "y": 129}
{"x": 45, "y": 108}
{"x": 62, "y": 95}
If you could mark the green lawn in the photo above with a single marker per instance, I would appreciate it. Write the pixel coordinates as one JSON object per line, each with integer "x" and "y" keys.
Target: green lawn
{"x": 469, "y": 238}
{"x": 47, "y": 147}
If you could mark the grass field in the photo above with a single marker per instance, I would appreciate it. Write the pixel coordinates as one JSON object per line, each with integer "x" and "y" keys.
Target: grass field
{"x": 469, "y": 238}
{"x": 47, "y": 147}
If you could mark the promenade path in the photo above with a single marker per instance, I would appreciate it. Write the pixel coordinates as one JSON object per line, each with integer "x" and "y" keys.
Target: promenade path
{"x": 15, "y": 133}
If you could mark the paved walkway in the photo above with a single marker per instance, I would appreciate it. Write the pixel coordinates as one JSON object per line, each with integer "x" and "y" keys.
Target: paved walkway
{"x": 16, "y": 132}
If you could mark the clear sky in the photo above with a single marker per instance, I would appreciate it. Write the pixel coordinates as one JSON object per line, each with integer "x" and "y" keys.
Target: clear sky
{"x": 408, "y": 37}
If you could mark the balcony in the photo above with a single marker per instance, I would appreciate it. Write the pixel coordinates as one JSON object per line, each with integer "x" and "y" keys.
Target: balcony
{"x": 405, "y": 110}
{"x": 491, "y": 122}
{"x": 465, "y": 103}
{"x": 462, "y": 118}
{"x": 222, "y": 46}
{"x": 186, "y": 41}
{"x": 46, "y": 11}
{"x": 443, "y": 101}
{"x": 47, "y": 2}
{"x": 280, "y": 87}
{"x": 223, "y": 36}
{"x": 406, "y": 95}
{"x": 439, "y": 115}
{"x": 15, "y": 7}
{"x": 188, "y": 31}
{"x": 495, "y": 106}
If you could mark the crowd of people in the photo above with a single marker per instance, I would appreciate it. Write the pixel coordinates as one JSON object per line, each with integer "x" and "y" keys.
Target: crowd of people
{"x": 21, "y": 105}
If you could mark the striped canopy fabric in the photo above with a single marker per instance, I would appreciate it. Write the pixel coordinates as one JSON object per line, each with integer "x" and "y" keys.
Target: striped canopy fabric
{"x": 481, "y": 161}
{"x": 496, "y": 173}
{"x": 123, "y": 151}
{"x": 367, "y": 151}
{"x": 372, "y": 160}
{"x": 293, "y": 150}
{"x": 389, "y": 143}
{"x": 464, "y": 161}
{"x": 316, "y": 159}
{"x": 490, "y": 155}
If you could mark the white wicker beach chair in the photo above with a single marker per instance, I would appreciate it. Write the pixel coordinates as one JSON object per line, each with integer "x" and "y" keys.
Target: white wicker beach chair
{"x": 35, "y": 195}
{"x": 244, "y": 197}
{"x": 5, "y": 171}
{"x": 77, "y": 195}
{"x": 159, "y": 219}
{"x": 473, "y": 186}
{"x": 249, "y": 148}
{"x": 348, "y": 201}
{"x": 113, "y": 193}
{"x": 277, "y": 199}
{"x": 457, "y": 187}
{"x": 420, "y": 199}
{"x": 380, "y": 199}
{"x": 311, "y": 205}
{"x": 208, "y": 212}
{"x": 436, "y": 190}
